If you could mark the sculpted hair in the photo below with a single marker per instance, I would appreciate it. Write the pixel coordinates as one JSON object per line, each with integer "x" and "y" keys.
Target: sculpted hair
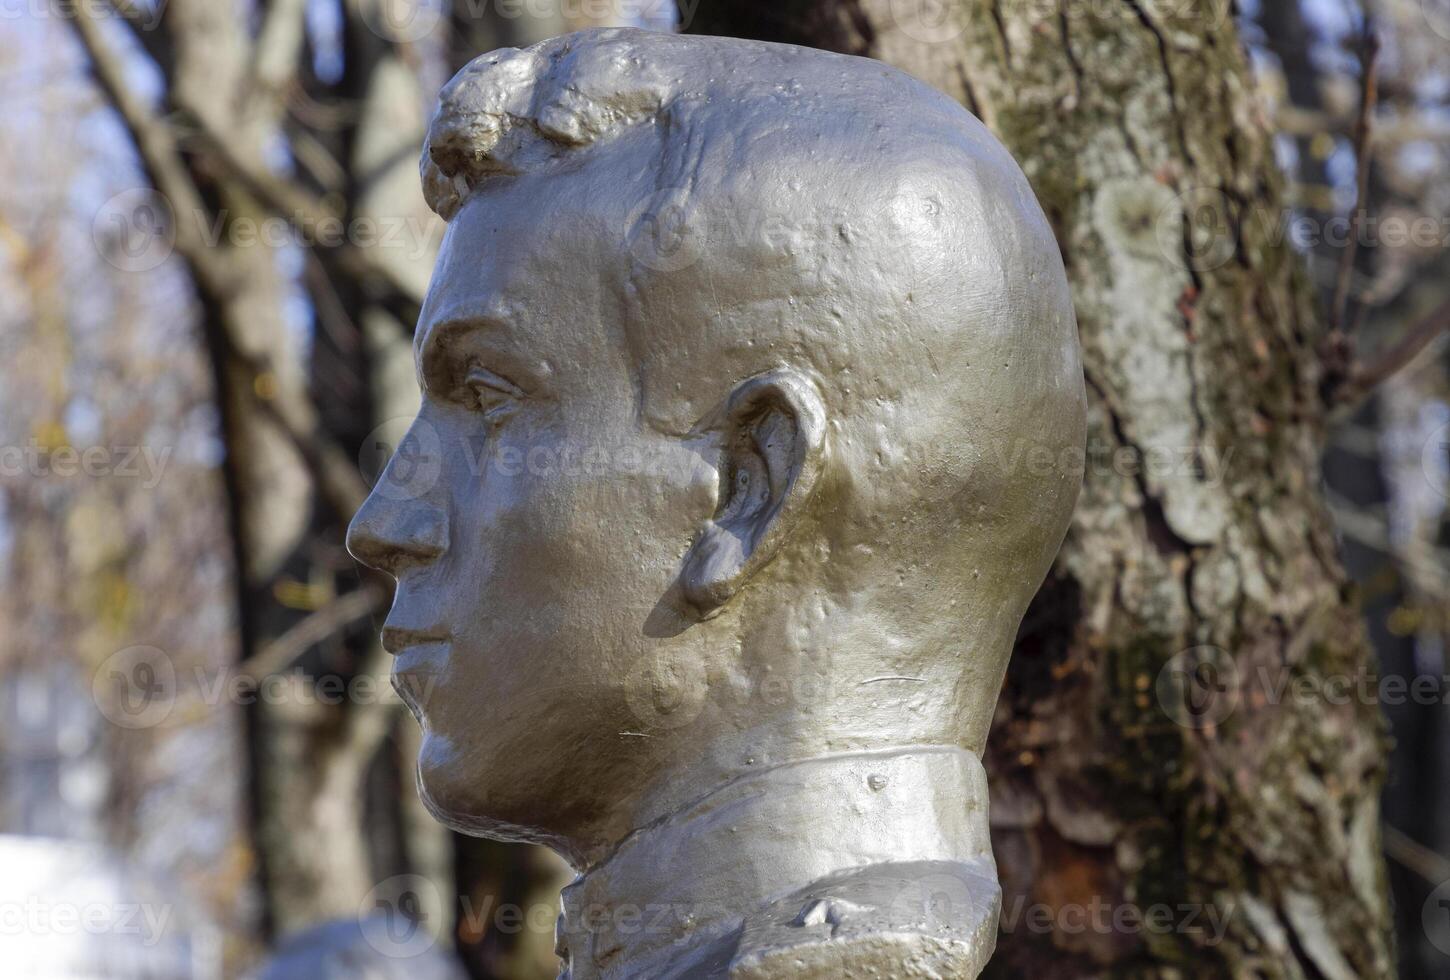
{"x": 515, "y": 110}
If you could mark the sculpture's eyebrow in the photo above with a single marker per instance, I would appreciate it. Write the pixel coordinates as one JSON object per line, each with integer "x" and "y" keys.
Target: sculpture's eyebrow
{"x": 441, "y": 342}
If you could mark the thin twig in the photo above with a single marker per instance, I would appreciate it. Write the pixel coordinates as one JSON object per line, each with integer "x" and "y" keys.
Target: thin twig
{"x": 146, "y": 28}
{"x": 1372, "y": 529}
{"x": 316, "y": 159}
{"x": 1364, "y": 379}
{"x": 310, "y": 214}
{"x": 276, "y": 52}
{"x": 1429, "y": 865}
{"x": 1363, "y": 150}
{"x": 313, "y": 629}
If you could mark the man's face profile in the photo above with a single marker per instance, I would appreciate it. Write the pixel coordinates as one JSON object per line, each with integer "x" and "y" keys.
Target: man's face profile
{"x": 707, "y": 474}
{"x": 532, "y": 522}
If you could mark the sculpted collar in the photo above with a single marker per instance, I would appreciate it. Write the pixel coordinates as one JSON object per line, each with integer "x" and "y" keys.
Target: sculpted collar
{"x": 792, "y": 871}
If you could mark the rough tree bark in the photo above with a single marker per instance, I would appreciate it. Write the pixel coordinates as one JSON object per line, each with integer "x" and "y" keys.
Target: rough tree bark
{"x": 1201, "y": 524}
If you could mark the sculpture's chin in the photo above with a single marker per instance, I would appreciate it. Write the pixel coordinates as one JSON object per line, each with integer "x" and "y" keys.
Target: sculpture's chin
{"x": 446, "y": 789}
{"x": 459, "y": 799}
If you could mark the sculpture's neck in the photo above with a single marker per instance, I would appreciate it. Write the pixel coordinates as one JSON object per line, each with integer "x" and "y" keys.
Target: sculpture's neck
{"x": 752, "y": 865}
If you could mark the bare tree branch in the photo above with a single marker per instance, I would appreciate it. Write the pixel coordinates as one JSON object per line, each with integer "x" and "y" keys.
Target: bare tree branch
{"x": 305, "y": 211}
{"x": 1429, "y": 865}
{"x": 276, "y": 52}
{"x": 157, "y": 148}
{"x": 1363, "y": 379}
{"x": 1363, "y": 151}
{"x": 146, "y": 27}
{"x": 330, "y": 619}
{"x": 338, "y": 479}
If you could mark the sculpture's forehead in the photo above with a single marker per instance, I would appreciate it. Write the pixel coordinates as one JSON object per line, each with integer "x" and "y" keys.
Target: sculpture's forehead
{"x": 533, "y": 275}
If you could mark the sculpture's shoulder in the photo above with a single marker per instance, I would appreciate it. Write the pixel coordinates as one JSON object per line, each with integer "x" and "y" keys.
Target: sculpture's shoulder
{"x": 920, "y": 919}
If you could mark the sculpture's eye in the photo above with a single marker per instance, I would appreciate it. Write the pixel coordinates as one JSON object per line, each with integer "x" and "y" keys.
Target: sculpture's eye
{"x": 490, "y": 394}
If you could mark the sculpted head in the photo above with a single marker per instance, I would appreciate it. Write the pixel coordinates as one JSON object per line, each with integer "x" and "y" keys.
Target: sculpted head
{"x": 732, "y": 364}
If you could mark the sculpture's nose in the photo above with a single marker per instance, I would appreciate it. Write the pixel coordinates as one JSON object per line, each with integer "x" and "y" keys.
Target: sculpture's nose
{"x": 394, "y": 535}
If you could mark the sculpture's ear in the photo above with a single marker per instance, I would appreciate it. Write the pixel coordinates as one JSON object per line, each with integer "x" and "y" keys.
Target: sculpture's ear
{"x": 773, "y": 430}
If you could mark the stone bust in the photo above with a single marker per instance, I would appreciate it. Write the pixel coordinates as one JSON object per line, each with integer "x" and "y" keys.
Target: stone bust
{"x": 719, "y": 522}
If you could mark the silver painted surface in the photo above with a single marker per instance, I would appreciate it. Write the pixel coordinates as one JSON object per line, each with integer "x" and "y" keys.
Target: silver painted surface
{"x": 752, "y": 419}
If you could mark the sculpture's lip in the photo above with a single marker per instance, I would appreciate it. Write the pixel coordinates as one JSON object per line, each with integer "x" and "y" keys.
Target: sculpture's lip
{"x": 396, "y": 639}
{"x": 415, "y": 675}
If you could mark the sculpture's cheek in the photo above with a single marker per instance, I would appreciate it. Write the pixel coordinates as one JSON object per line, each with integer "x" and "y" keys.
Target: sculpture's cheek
{"x": 554, "y": 566}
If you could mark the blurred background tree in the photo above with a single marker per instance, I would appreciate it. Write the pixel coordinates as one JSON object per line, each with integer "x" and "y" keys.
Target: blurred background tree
{"x": 1143, "y": 128}
{"x": 214, "y": 248}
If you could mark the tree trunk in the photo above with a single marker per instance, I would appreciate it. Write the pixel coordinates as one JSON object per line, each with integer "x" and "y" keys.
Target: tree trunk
{"x": 1236, "y": 833}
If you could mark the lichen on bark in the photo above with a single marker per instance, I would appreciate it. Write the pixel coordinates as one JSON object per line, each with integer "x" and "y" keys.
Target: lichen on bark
{"x": 1200, "y": 523}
